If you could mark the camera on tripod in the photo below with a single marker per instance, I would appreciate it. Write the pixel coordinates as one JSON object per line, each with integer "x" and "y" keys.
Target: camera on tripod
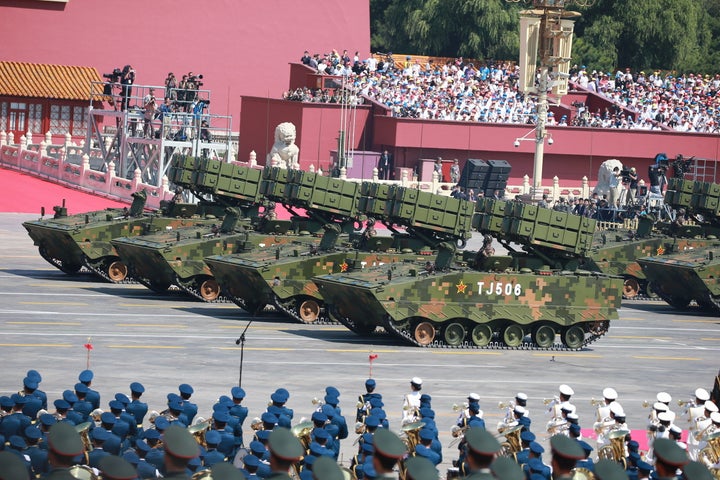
{"x": 625, "y": 174}
{"x": 113, "y": 77}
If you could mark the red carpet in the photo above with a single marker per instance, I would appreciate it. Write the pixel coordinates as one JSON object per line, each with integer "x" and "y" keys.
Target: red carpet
{"x": 23, "y": 193}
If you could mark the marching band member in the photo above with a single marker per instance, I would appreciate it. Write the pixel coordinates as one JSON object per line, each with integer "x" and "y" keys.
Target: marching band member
{"x": 603, "y": 410}
{"x": 411, "y": 402}
{"x": 553, "y": 409}
{"x": 694, "y": 412}
{"x": 465, "y": 413}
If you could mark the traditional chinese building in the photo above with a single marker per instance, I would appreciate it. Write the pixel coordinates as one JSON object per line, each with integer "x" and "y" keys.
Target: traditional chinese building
{"x": 43, "y": 98}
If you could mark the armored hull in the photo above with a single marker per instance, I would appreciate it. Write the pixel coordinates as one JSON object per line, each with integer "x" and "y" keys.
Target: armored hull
{"x": 463, "y": 307}
{"x": 72, "y": 242}
{"x": 176, "y": 258}
{"x": 686, "y": 276}
{"x": 616, "y": 253}
{"x": 283, "y": 277}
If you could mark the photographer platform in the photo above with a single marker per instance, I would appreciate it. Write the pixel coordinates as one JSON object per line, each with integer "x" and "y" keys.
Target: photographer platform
{"x": 142, "y": 129}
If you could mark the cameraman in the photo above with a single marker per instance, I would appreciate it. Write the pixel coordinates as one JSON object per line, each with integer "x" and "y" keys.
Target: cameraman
{"x": 127, "y": 78}
{"x": 632, "y": 180}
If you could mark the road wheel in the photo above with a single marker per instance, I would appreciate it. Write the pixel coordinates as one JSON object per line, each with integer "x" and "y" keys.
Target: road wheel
{"x": 482, "y": 334}
{"x": 573, "y": 337}
{"x": 631, "y": 287}
{"x": 209, "y": 289}
{"x": 117, "y": 271}
{"x": 513, "y": 335}
{"x": 424, "y": 333}
{"x": 544, "y": 336}
{"x": 454, "y": 334}
{"x": 309, "y": 310}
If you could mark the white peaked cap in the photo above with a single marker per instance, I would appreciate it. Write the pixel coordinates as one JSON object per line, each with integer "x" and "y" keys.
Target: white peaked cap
{"x": 610, "y": 393}
{"x": 664, "y": 397}
{"x": 566, "y": 390}
{"x": 521, "y": 396}
{"x": 702, "y": 394}
{"x": 416, "y": 380}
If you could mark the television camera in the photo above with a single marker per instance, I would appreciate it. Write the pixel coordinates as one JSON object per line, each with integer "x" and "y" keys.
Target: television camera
{"x": 113, "y": 77}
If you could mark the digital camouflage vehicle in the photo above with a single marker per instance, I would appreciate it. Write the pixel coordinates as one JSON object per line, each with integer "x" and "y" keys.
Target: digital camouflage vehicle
{"x": 479, "y": 299}
{"x": 283, "y": 277}
{"x": 690, "y": 274}
{"x": 71, "y": 242}
{"x": 176, "y": 257}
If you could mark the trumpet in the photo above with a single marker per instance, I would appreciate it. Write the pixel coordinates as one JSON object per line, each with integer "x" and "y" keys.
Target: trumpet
{"x": 596, "y": 403}
{"x": 502, "y": 405}
{"x": 459, "y": 408}
{"x": 645, "y": 404}
{"x": 317, "y": 402}
{"x": 548, "y": 401}
{"x": 682, "y": 403}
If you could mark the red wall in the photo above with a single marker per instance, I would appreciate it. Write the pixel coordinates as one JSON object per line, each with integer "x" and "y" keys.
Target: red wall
{"x": 242, "y": 47}
{"x": 317, "y": 129}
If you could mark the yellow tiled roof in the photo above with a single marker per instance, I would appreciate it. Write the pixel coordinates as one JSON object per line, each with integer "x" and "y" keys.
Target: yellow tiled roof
{"x": 19, "y": 79}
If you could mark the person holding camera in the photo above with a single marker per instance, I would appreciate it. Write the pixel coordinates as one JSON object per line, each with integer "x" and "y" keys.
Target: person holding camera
{"x": 150, "y": 107}
{"x": 632, "y": 181}
{"x": 614, "y": 182}
{"x": 127, "y": 78}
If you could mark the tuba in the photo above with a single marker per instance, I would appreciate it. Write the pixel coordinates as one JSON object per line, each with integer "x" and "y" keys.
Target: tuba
{"x": 512, "y": 444}
{"x": 710, "y": 455}
{"x": 302, "y": 432}
{"x": 198, "y": 432}
{"x": 616, "y": 450}
{"x": 84, "y": 430}
{"x": 411, "y": 435}
{"x": 580, "y": 473}
{"x": 83, "y": 472}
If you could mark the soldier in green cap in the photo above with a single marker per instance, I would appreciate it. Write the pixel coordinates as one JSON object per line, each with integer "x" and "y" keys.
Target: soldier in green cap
{"x": 225, "y": 471}
{"x": 12, "y": 468}
{"x": 285, "y": 451}
{"x": 389, "y": 449}
{"x": 481, "y": 448}
{"x": 180, "y": 448}
{"x": 115, "y": 468}
{"x": 669, "y": 457}
{"x": 64, "y": 444}
{"x": 565, "y": 454}
{"x": 325, "y": 468}
{"x": 420, "y": 468}
{"x": 609, "y": 470}
{"x": 505, "y": 468}
{"x": 697, "y": 471}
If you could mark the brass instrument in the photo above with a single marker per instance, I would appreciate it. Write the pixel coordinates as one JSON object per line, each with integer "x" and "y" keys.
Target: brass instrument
{"x": 411, "y": 435}
{"x": 548, "y": 401}
{"x": 597, "y": 403}
{"x": 82, "y": 472}
{"x": 84, "y": 430}
{"x": 202, "y": 475}
{"x": 502, "y": 405}
{"x": 198, "y": 432}
{"x": 646, "y": 404}
{"x": 317, "y": 402}
{"x": 302, "y": 432}
{"x": 682, "y": 403}
{"x": 710, "y": 455}
{"x": 360, "y": 428}
{"x": 460, "y": 408}
{"x": 580, "y": 473}
{"x": 512, "y": 444}
{"x": 616, "y": 450}
{"x": 458, "y": 434}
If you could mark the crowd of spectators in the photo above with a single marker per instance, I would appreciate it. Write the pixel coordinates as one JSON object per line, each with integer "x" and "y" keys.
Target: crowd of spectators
{"x": 461, "y": 91}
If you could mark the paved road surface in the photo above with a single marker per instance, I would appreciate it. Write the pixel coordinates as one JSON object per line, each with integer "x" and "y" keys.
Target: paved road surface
{"x": 163, "y": 340}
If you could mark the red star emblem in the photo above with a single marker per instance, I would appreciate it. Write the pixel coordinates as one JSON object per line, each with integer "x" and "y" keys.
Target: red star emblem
{"x": 661, "y": 250}
{"x": 343, "y": 267}
{"x": 461, "y": 287}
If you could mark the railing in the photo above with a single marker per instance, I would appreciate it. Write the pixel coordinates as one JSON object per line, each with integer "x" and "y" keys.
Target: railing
{"x": 68, "y": 164}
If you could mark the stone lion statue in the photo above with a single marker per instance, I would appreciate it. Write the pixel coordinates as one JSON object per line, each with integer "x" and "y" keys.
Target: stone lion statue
{"x": 604, "y": 174}
{"x": 284, "y": 152}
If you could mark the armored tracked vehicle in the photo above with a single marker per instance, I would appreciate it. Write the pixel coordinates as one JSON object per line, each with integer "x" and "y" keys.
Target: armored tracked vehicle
{"x": 176, "y": 257}
{"x": 478, "y": 299}
{"x": 283, "y": 278}
{"x": 71, "y": 242}
{"x": 690, "y": 274}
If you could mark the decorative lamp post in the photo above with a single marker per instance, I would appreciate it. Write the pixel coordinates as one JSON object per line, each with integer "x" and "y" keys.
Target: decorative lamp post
{"x": 546, "y": 33}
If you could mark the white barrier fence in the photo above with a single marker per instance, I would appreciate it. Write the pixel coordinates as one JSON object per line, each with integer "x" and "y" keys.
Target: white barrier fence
{"x": 69, "y": 164}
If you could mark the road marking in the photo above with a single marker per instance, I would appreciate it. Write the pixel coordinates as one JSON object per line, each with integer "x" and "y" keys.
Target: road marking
{"x": 260, "y": 349}
{"x": 35, "y": 345}
{"x": 54, "y": 303}
{"x": 352, "y": 350}
{"x": 641, "y": 337}
{"x": 146, "y": 346}
{"x": 168, "y": 305}
{"x": 711, "y": 339}
{"x": 45, "y": 323}
{"x": 697, "y": 321}
{"x": 667, "y": 358}
{"x": 579, "y": 354}
{"x": 633, "y": 318}
{"x": 464, "y": 352}
{"x": 160, "y": 325}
